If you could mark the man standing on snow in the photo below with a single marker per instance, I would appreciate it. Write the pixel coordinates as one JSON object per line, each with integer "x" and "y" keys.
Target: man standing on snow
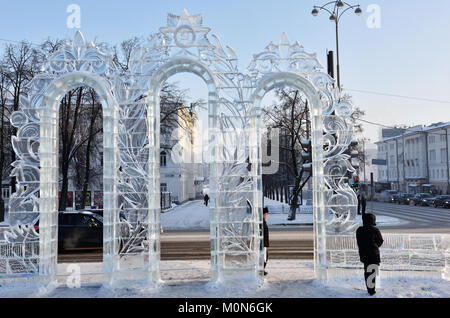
{"x": 369, "y": 240}
{"x": 206, "y": 199}
{"x": 362, "y": 203}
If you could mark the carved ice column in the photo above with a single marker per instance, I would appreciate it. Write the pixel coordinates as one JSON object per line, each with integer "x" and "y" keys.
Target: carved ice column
{"x": 48, "y": 200}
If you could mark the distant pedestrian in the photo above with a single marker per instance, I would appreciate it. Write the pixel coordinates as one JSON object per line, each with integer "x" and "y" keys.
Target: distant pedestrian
{"x": 266, "y": 238}
{"x": 206, "y": 199}
{"x": 362, "y": 202}
{"x": 369, "y": 240}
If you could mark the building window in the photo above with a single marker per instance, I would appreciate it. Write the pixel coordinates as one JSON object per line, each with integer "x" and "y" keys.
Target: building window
{"x": 443, "y": 155}
{"x": 432, "y": 139}
{"x": 163, "y": 187}
{"x": 432, "y": 155}
{"x": 163, "y": 159}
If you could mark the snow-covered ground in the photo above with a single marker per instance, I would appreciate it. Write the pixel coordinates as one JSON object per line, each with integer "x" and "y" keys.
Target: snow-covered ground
{"x": 195, "y": 216}
{"x": 191, "y": 279}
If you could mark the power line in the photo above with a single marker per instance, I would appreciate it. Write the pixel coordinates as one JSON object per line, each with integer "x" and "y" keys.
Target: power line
{"x": 405, "y": 129}
{"x": 401, "y": 96}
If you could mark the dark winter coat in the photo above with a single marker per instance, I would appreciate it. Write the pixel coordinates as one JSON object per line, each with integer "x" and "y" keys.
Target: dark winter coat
{"x": 369, "y": 240}
{"x": 265, "y": 229}
{"x": 266, "y": 234}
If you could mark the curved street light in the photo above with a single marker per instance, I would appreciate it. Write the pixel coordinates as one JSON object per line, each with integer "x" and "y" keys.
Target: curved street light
{"x": 339, "y": 9}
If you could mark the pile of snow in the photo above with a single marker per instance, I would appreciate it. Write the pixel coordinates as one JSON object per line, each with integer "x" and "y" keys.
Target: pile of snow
{"x": 276, "y": 207}
{"x": 191, "y": 279}
{"x": 190, "y": 216}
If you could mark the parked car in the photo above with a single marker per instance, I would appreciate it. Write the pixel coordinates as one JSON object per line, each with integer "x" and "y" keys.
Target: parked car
{"x": 419, "y": 199}
{"x": 442, "y": 201}
{"x": 405, "y": 198}
{"x": 428, "y": 201}
{"x": 388, "y": 196}
{"x": 78, "y": 229}
{"x": 395, "y": 197}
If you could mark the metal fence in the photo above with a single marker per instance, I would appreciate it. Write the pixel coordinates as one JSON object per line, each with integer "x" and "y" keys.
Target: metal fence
{"x": 166, "y": 200}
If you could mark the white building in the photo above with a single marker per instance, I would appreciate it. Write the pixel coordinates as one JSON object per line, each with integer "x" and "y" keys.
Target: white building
{"x": 182, "y": 173}
{"x": 366, "y": 167}
{"x": 417, "y": 159}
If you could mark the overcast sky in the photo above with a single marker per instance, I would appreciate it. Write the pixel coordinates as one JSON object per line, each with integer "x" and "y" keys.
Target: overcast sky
{"x": 408, "y": 56}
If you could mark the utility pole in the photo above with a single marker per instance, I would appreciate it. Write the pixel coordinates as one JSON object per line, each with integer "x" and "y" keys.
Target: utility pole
{"x": 364, "y": 158}
{"x": 397, "y": 164}
{"x": 372, "y": 186}
{"x": 448, "y": 161}
{"x": 427, "y": 158}
{"x": 404, "y": 165}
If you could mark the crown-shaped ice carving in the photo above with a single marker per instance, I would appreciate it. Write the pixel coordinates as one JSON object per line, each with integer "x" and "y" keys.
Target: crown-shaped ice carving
{"x": 185, "y": 30}
{"x": 79, "y": 56}
{"x": 284, "y": 57}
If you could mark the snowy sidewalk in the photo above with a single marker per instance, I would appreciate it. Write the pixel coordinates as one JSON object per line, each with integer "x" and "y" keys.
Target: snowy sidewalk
{"x": 194, "y": 215}
{"x": 286, "y": 279}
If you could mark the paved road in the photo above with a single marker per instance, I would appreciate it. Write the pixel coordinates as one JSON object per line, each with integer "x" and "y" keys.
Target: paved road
{"x": 291, "y": 244}
{"x": 415, "y": 218}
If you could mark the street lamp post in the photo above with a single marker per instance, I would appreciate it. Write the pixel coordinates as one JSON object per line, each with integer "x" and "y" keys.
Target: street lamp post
{"x": 339, "y": 8}
{"x": 364, "y": 156}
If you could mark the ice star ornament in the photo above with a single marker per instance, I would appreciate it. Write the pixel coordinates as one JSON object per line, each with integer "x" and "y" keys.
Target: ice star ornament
{"x": 185, "y": 30}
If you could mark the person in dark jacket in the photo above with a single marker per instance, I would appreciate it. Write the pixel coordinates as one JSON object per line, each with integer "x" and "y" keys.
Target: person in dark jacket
{"x": 362, "y": 203}
{"x": 369, "y": 240}
{"x": 266, "y": 238}
{"x": 206, "y": 199}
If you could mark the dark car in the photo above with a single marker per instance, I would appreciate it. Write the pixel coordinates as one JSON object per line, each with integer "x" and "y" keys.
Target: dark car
{"x": 395, "y": 197}
{"x": 442, "y": 201}
{"x": 405, "y": 198}
{"x": 78, "y": 230}
{"x": 420, "y": 198}
{"x": 428, "y": 201}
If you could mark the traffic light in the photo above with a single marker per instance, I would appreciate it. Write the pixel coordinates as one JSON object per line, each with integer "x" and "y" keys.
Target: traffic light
{"x": 307, "y": 155}
{"x": 355, "y": 184}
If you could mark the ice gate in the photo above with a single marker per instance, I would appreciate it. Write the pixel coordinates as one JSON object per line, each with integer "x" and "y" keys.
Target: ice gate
{"x": 131, "y": 124}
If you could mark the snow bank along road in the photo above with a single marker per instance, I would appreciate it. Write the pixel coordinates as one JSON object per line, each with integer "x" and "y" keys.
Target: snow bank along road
{"x": 286, "y": 279}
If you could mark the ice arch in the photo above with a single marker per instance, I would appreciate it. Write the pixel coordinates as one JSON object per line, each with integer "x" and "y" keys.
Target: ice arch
{"x": 76, "y": 64}
{"x": 49, "y": 153}
{"x": 131, "y": 110}
{"x": 288, "y": 79}
{"x": 184, "y": 45}
{"x": 164, "y": 72}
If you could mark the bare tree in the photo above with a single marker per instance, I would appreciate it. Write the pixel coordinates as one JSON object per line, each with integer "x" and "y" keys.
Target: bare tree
{"x": 122, "y": 55}
{"x": 95, "y": 127}
{"x": 21, "y": 64}
{"x": 291, "y": 116}
{"x": 5, "y": 133}
{"x": 69, "y": 112}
